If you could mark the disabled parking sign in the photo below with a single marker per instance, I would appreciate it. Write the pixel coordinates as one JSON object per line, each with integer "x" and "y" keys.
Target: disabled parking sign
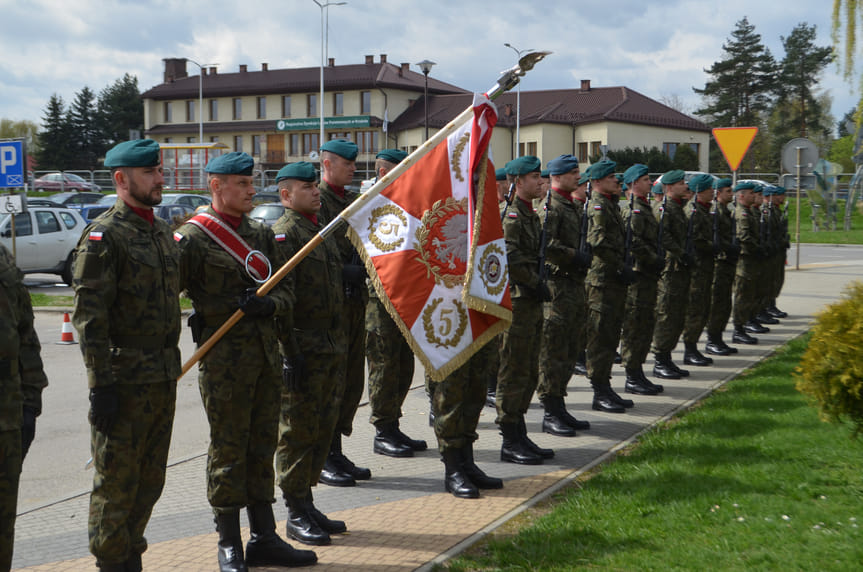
{"x": 11, "y": 164}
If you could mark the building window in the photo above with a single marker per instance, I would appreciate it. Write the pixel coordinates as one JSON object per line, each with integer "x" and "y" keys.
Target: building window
{"x": 238, "y": 142}
{"x": 190, "y": 139}
{"x": 190, "y": 110}
{"x": 311, "y": 105}
{"x": 169, "y": 116}
{"x": 695, "y": 147}
{"x": 310, "y": 143}
{"x": 367, "y": 141}
{"x": 365, "y": 102}
{"x": 214, "y": 138}
{"x": 338, "y": 104}
{"x": 595, "y": 150}
{"x": 294, "y": 149}
{"x": 528, "y": 148}
{"x": 286, "y": 106}
{"x": 256, "y": 145}
{"x": 214, "y": 110}
{"x": 262, "y": 108}
{"x": 169, "y": 140}
{"x": 582, "y": 152}
{"x": 669, "y": 149}
{"x": 340, "y": 135}
{"x": 238, "y": 108}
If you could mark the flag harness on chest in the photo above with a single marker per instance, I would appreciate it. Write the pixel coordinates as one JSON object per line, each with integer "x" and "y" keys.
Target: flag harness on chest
{"x": 256, "y": 264}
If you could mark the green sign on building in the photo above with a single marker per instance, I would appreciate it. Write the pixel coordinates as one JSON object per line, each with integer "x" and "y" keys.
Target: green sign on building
{"x": 312, "y": 123}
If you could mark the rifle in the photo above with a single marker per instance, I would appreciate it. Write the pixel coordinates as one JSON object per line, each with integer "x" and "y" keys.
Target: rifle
{"x": 689, "y": 245}
{"x": 714, "y": 213}
{"x": 543, "y": 240}
{"x": 628, "y": 261}
{"x": 582, "y": 243}
{"x": 660, "y": 250}
{"x": 509, "y": 196}
{"x": 734, "y": 241}
{"x": 762, "y": 230}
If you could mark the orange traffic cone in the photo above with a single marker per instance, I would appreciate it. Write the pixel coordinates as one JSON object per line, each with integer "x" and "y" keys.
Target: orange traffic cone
{"x": 66, "y": 335}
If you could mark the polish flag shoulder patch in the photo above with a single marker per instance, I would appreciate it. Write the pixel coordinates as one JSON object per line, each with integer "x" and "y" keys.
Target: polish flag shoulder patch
{"x": 280, "y": 237}
{"x": 178, "y": 237}
{"x": 95, "y": 236}
{"x": 512, "y": 215}
{"x": 636, "y": 211}
{"x": 597, "y": 207}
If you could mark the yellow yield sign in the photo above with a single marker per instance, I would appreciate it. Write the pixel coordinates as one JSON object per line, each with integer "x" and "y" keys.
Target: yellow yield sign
{"x": 734, "y": 142}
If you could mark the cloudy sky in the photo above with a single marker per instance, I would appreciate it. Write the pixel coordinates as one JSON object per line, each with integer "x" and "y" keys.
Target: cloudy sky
{"x": 657, "y": 47}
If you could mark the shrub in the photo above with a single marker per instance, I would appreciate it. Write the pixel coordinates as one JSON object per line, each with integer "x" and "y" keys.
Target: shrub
{"x": 831, "y": 371}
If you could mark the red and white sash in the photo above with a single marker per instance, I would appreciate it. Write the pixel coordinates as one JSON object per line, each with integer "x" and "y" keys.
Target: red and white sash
{"x": 222, "y": 234}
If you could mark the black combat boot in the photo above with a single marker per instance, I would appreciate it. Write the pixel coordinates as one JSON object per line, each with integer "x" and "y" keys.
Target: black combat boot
{"x": 455, "y": 479}
{"x": 541, "y": 451}
{"x": 332, "y": 474}
{"x": 644, "y": 381}
{"x": 414, "y": 444}
{"x": 230, "y": 542}
{"x": 553, "y": 421}
{"x": 715, "y": 346}
{"x": 663, "y": 368}
{"x": 387, "y": 442}
{"x": 741, "y": 336}
{"x": 603, "y": 401}
{"x": 635, "y": 384}
{"x": 776, "y": 312}
{"x": 691, "y": 355}
{"x": 765, "y": 318}
{"x": 491, "y": 390}
{"x": 121, "y": 567}
{"x": 569, "y": 419}
{"x": 680, "y": 371}
{"x": 345, "y": 464}
{"x": 329, "y": 525}
{"x": 301, "y": 526}
{"x": 134, "y": 564}
{"x": 265, "y": 548}
{"x": 580, "y": 367}
{"x": 753, "y": 326}
{"x": 475, "y": 474}
{"x": 513, "y": 449}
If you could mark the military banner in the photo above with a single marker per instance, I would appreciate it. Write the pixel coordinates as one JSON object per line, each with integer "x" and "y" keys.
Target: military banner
{"x": 433, "y": 243}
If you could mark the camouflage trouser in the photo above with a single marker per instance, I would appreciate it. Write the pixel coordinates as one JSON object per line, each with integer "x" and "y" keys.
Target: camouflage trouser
{"x": 391, "y": 364}
{"x": 562, "y": 336}
{"x": 240, "y": 386}
{"x": 605, "y": 304}
{"x": 10, "y": 472}
{"x": 458, "y": 399}
{"x": 698, "y": 305}
{"x": 745, "y": 290}
{"x": 779, "y": 274}
{"x": 671, "y": 297}
{"x": 354, "y": 321}
{"x": 720, "y": 298}
{"x": 308, "y": 423}
{"x": 638, "y": 318}
{"x": 519, "y": 361}
{"x": 129, "y": 466}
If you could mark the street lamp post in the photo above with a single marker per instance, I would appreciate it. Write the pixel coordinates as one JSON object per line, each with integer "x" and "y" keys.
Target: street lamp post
{"x": 200, "y": 106}
{"x": 324, "y": 38}
{"x": 426, "y": 66}
{"x": 517, "y": 102}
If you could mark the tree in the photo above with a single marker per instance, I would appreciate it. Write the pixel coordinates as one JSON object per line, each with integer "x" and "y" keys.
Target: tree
{"x": 11, "y": 129}
{"x": 841, "y": 152}
{"x": 120, "y": 109}
{"x": 685, "y": 158}
{"x": 54, "y": 152}
{"x": 85, "y": 137}
{"x": 798, "y": 78}
{"x": 845, "y": 126}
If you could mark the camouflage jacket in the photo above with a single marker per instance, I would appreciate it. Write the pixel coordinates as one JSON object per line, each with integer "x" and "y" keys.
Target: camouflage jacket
{"x": 563, "y": 232}
{"x": 214, "y": 280}
{"x": 606, "y": 235}
{"x": 521, "y": 229}
{"x": 127, "y": 307}
{"x": 674, "y": 227}
{"x": 317, "y": 289}
{"x": 644, "y": 236}
{"x": 21, "y": 375}
{"x": 331, "y": 205}
{"x": 702, "y": 229}
{"x": 723, "y": 219}
{"x": 748, "y": 229}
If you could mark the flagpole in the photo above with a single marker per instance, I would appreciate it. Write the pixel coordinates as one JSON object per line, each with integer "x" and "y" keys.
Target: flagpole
{"x": 505, "y": 82}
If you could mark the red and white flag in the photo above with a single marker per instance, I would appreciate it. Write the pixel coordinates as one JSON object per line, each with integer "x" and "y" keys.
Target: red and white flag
{"x": 434, "y": 239}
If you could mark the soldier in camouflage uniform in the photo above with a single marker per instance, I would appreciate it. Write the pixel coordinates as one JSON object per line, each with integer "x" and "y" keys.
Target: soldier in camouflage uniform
{"x": 701, "y": 275}
{"x": 758, "y": 211}
{"x": 338, "y": 164}
{"x": 672, "y": 293}
{"x": 313, "y": 352}
{"x": 127, "y": 313}
{"x": 579, "y": 199}
{"x": 746, "y": 273}
{"x": 723, "y": 272}
{"x": 390, "y": 358}
{"x": 519, "y": 349}
{"x": 563, "y": 316}
{"x": 21, "y": 383}
{"x": 240, "y": 378}
{"x": 639, "y": 315}
{"x": 606, "y": 285}
{"x": 781, "y": 244}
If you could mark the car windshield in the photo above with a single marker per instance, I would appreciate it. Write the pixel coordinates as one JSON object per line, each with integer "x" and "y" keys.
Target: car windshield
{"x": 107, "y": 200}
{"x": 75, "y": 178}
{"x": 267, "y": 211}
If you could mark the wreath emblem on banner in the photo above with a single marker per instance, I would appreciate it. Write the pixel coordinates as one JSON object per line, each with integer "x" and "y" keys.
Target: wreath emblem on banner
{"x": 492, "y": 269}
{"x": 445, "y": 327}
{"x": 385, "y": 226}
{"x": 442, "y": 242}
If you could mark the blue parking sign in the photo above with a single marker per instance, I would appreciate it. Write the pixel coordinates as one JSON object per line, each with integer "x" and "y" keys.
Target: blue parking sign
{"x": 11, "y": 164}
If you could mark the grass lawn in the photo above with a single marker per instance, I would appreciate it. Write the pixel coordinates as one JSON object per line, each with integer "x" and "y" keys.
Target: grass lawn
{"x": 853, "y": 236}
{"x": 750, "y": 479}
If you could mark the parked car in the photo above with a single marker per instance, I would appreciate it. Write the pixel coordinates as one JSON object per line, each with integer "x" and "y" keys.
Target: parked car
{"x": 173, "y": 213}
{"x": 89, "y": 212}
{"x": 187, "y": 199}
{"x": 76, "y": 200}
{"x": 64, "y": 182}
{"x": 41, "y": 202}
{"x": 45, "y": 238}
{"x": 269, "y": 194}
{"x": 108, "y": 200}
{"x": 267, "y": 213}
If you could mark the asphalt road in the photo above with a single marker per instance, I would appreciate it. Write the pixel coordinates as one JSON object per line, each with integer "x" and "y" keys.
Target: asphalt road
{"x": 55, "y": 467}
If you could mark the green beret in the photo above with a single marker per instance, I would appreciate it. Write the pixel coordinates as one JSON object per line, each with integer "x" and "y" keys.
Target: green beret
{"x": 721, "y": 183}
{"x": 341, "y": 147}
{"x": 701, "y": 182}
{"x": 743, "y": 185}
{"x": 302, "y": 171}
{"x": 672, "y": 177}
{"x": 137, "y": 153}
{"x": 779, "y": 190}
{"x": 634, "y": 173}
{"x": 584, "y": 178}
{"x": 233, "y": 163}
{"x": 500, "y": 174}
{"x": 395, "y": 156}
{"x": 562, "y": 165}
{"x": 601, "y": 169}
{"x": 768, "y": 191}
{"x": 544, "y": 173}
{"x": 523, "y": 165}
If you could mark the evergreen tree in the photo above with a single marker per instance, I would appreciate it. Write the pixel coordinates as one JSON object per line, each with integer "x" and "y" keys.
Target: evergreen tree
{"x": 85, "y": 136}
{"x": 799, "y": 74}
{"x": 120, "y": 109}
{"x": 685, "y": 158}
{"x": 54, "y": 152}
{"x": 11, "y": 129}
